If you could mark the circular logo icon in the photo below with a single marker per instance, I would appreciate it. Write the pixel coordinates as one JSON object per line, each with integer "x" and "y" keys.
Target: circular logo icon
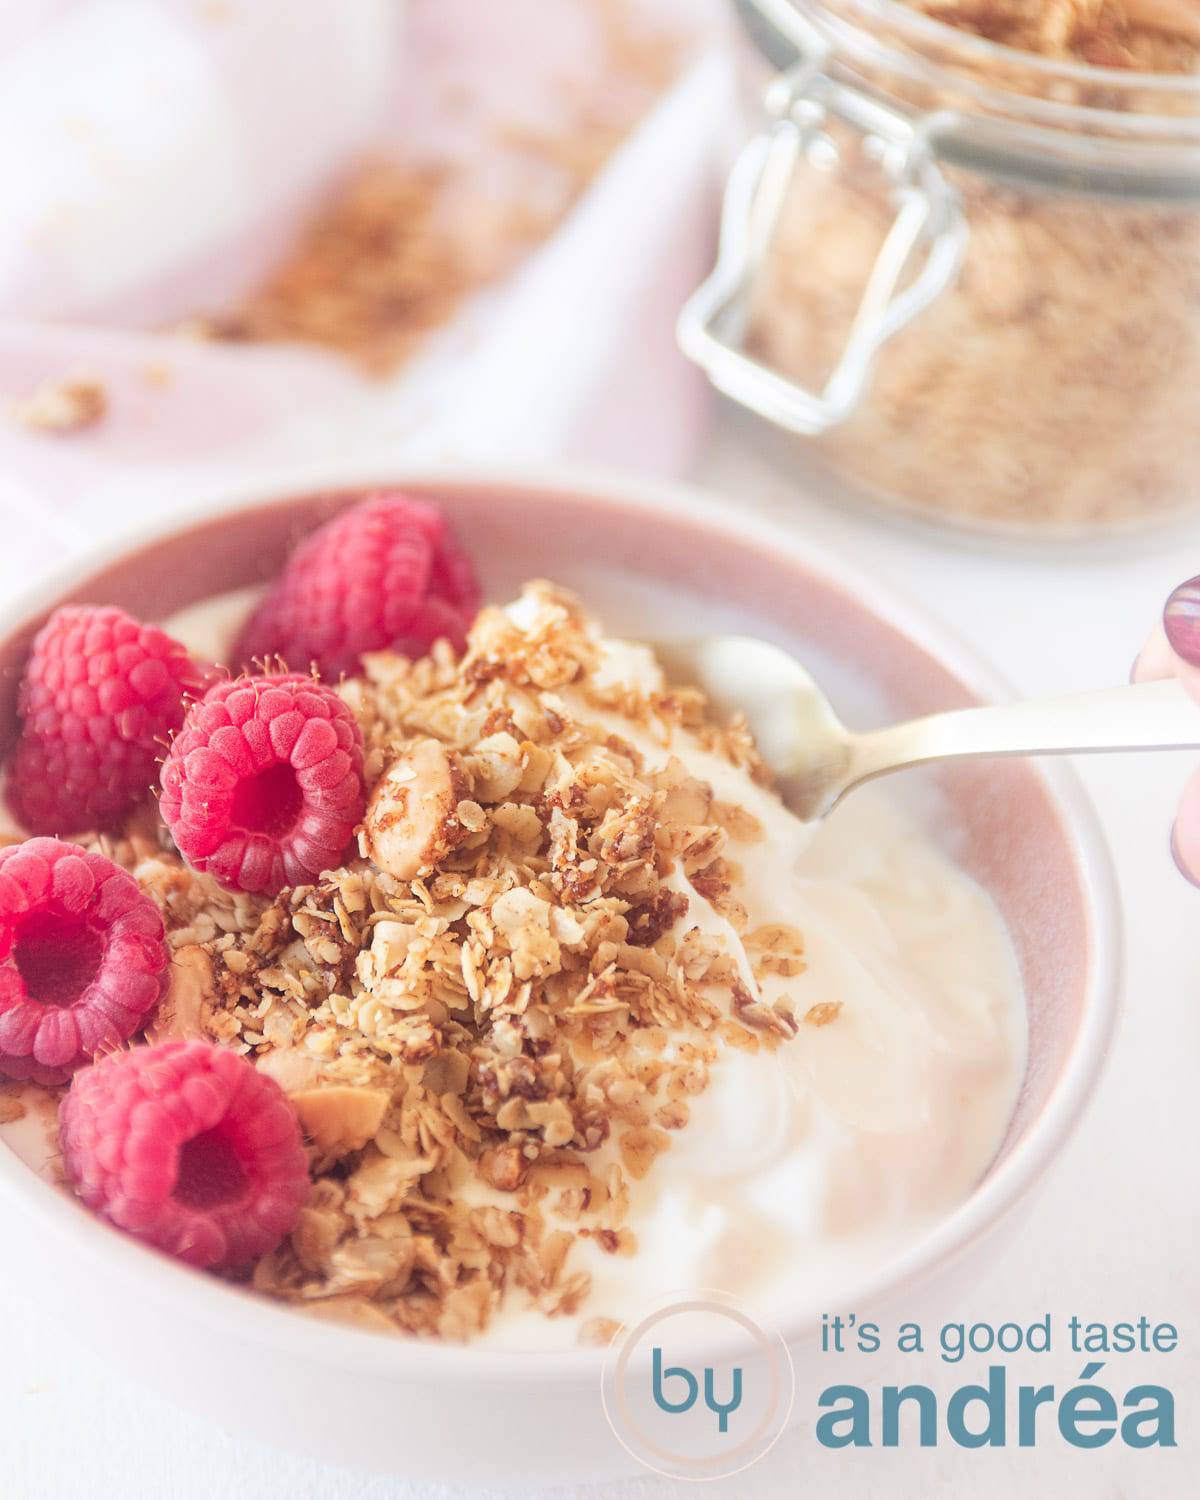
{"x": 698, "y": 1389}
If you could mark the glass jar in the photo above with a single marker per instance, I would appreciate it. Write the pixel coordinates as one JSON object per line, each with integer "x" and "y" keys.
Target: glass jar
{"x": 968, "y": 275}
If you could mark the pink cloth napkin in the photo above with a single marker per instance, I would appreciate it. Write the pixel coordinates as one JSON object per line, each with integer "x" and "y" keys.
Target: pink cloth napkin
{"x": 573, "y": 355}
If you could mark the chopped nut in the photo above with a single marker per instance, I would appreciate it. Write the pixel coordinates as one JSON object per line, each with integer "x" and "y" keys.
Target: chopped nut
{"x": 341, "y": 1119}
{"x": 639, "y": 1148}
{"x": 496, "y": 767}
{"x": 823, "y": 1012}
{"x": 505, "y": 1169}
{"x": 410, "y": 823}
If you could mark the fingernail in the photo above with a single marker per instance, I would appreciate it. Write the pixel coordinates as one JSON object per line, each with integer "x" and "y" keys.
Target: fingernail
{"x": 1187, "y": 874}
{"x": 1133, "y": 671}
{"x": 1181, "y": 621}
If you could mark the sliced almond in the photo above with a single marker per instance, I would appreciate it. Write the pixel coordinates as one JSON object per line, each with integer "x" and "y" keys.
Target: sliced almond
{"x": 341, "y": 1119}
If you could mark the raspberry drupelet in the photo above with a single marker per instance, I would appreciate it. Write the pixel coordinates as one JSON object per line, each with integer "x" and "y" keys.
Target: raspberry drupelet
{"x": 385, "y": 575}
{"x": 187, "y": 1147}
{"x": 101, "y": 696}
{"x": 263, "y": 785}
{"x": 83, "y": 961}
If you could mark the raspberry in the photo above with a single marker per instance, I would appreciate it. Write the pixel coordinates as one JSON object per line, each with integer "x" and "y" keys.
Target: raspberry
{"x": 386, "y": 575}
{"x": 82, "y": 958}
{"x": 263, "y": 785}
{"x": 187, "y": 1147}
{"x": 101, "y": 696}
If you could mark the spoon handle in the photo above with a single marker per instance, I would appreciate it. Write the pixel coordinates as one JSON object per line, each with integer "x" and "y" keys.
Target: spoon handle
{"x": 1143, "y": 716}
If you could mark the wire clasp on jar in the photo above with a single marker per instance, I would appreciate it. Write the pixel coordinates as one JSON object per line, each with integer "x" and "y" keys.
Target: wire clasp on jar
{"x": 711, "y": 329}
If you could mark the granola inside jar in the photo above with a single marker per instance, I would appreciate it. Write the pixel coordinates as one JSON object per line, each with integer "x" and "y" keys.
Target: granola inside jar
{"x": 962, "y": 257}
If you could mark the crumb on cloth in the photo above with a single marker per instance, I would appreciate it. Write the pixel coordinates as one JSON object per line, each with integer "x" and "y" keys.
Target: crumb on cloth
{"x": 402, "y": 244}
{"x": 65, "y": 404}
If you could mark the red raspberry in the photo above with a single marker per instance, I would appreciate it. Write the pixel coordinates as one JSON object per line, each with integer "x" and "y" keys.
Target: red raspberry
{"x": 188, "y": 1147}
{"x": 82, "y": 958}
{"x": 101, "y": 696}
{"x": 387, "y": 574}
{"x": 263, "y": 785}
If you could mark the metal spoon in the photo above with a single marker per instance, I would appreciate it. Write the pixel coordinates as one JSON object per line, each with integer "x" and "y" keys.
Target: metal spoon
{"x": 817, "y": 760}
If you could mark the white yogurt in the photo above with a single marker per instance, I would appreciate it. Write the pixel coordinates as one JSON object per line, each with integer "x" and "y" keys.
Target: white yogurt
{"x": 803, "y": 1168}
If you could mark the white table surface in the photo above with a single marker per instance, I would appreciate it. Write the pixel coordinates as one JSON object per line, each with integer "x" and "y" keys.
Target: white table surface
{"x": 1115, "y": 1233}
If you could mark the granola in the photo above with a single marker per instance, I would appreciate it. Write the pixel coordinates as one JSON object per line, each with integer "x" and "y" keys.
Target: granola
{"x": 492, "y": 1020}
{"x": 1152, "y": 36}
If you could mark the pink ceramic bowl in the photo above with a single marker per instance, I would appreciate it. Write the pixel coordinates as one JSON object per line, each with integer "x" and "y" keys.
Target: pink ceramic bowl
{"x": 650, "y": 558}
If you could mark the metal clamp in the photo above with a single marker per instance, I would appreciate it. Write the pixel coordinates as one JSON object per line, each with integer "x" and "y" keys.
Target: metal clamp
{"x": 711, "y": 326}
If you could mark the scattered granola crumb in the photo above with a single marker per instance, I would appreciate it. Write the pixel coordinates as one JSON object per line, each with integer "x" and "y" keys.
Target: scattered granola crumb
{"x": 823, "y": 1013}
{"x": 68, "y": 404}
{"x": 599, "y": 1331}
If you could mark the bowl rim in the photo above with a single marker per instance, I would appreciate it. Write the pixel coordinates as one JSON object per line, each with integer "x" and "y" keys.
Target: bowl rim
{"x": 243, "y": 1315}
